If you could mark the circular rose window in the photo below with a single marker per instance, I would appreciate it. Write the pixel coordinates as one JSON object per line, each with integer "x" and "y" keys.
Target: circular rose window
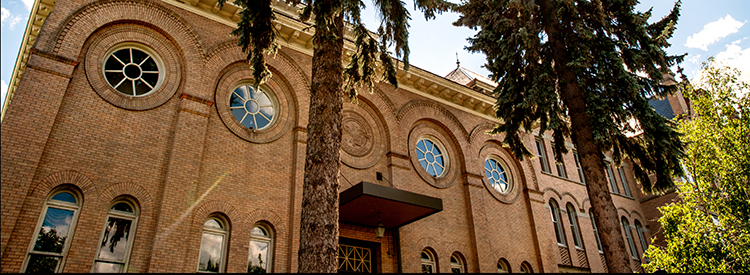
{"x": 430, "y": 156}
{"x": 253, "y": 108}
{"x": 132, "y": 71}
{"x": 496, "y": 176}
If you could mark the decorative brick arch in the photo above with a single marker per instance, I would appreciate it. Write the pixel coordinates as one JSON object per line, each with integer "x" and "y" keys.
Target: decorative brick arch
{"x": 381, "y": 103}
{"x": 282, "y": 66}
{"x": 267, "y": 216}
{"x": 573, "y": 200}
{"x": 127, "y": 188}
{"x": 82, "y": 23}
{"x": 213, "y": 206}
{"x": 71, "y": 177}
{"x": 416, "y": 110}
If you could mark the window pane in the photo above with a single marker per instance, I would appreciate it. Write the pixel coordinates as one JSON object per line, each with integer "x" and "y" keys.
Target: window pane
{"x": 114, "y": 244}
{"x": 258, "y": 257}
{"x": 124, "y": 207}
{"x": 123, "y": 55}
{"x": 65, "y": 196}
{"x": 426, "y": 268}
{"x": 212, "y": 246}
{"x": 212, "y": 223}
{"x": 100, "y": 267}
{"x": 138, "y": 56}
{"x": 257, "y": 231}
{"x": 42, "y": 264}
{"x": 54, "y": 230}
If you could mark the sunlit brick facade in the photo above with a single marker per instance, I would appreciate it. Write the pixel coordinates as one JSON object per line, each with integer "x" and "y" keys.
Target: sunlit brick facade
{"x": 179, "y": 172}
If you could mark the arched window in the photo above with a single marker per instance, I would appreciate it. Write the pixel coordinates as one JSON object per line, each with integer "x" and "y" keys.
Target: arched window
{"x": 213, "y": 244}
{"x": 573, "y": 218}
{"x": 429, "y": 265}
{"x": 555, "y": 211}
{"x": 457, "y": 263}
{"x": 503, "y": 266}
{"x": 54, "y": 229}
{"x": 626, "y": 229}
{"x": 624, "y": 181}
{"x": 117, "y": 238}
{"x": 641, "y": 237}
{"x": 261, "y": 245}
{"x": 611, "y": 178}
{"x": 596, "y": 231}
{"x": 526, "y": 267}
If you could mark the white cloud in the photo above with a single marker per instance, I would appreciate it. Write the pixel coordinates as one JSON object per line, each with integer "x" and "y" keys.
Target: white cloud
{"x": 712, "y": 32}
{"x": 12, "y": 19}
{"x": 28, "y": 3}
{"x": 5, "y": 15}
{"x": 696, "y": 59}
{"x": 737, "y": 57}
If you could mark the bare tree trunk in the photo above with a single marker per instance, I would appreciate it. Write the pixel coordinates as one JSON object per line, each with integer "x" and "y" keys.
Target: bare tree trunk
{"x": 319, "y": 229}
{"x": 604, "y": 210}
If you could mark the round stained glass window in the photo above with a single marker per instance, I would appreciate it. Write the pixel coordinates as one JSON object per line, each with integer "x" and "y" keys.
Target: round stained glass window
{"x": 132, "y": 71}
{"x": 253, "y": 108}
{"x": 496, "y": 176}
{"x": 430, "y": 157}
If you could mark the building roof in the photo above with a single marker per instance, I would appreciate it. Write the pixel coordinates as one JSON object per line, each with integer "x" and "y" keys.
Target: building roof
{"x": 463, "y": 76}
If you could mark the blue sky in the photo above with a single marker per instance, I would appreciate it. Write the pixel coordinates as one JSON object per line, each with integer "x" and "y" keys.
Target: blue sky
{"x": 706, "y": 28}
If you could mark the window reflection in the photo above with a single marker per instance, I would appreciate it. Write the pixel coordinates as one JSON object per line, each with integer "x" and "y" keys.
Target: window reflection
{"x": 259, "y": 260}
{"x": 116, "y": 241}
{"x": 213, "y": 245}
{"x": 52, "y": 237}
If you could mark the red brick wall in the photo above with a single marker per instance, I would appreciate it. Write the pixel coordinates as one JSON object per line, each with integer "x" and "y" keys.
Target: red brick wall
{"x": 181, "y": 162}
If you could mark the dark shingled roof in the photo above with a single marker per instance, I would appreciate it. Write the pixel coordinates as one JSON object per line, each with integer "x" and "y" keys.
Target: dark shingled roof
{"x": 662, "y": 107}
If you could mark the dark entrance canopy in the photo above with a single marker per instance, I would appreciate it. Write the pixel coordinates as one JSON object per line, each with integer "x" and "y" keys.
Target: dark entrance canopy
{"x": 361, "y": 203}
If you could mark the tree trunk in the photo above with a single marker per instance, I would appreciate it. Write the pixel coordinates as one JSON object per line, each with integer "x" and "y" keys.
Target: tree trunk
{"x": 604, "y": 210}
{"x": 319, "y": 228}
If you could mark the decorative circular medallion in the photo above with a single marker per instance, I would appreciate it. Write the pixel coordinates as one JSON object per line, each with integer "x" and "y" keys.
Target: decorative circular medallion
{"x": 362, "y": 142}
{"x": 356, "y": 138}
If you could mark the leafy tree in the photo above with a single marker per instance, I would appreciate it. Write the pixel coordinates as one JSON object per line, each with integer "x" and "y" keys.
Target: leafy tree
{"x": 569, "y": 67}
{"x": 330, "y": 83}
{"x": 708, "y": 230}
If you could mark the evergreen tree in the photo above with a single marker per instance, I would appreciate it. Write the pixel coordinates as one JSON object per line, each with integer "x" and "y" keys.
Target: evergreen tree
{"x": 569, "y": 67}
{"x": 330, "y": 83}
{"x": 708, "y": 229}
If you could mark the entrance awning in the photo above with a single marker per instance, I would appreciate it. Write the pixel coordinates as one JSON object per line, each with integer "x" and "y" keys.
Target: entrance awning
{"x": 361, "y": 203}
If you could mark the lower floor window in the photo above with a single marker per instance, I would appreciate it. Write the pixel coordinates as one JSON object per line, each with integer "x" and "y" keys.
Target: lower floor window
{"x": 354, "y": 259}
{"x": 117, "y": 239}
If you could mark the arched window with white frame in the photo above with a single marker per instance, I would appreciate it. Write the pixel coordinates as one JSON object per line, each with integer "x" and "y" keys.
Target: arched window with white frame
{"x": 457, "y": 263}
{"x": 526, "y": 267}
{"x": 214, "y": 241}
{"x": 574, "y": 227}
{"x": 429, "y": 262}
{"x": 629, "y": 237}
{"x": 641, "y": 237}
{"x": 259, "y": 258}
{"x": 557, "y": 223}
{"x": 503, "y": 266}
{"x": 117, "y": 237}
{"x": 51, "y": 242}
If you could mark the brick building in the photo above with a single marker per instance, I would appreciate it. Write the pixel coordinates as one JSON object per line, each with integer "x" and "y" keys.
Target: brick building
{"x": 133, "y": 141}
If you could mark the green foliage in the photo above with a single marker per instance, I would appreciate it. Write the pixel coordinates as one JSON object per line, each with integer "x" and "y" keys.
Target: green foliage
{"x": 257, "y": 35}
{"x": 718, "y": 159}
{"x": 604, "y": 44}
